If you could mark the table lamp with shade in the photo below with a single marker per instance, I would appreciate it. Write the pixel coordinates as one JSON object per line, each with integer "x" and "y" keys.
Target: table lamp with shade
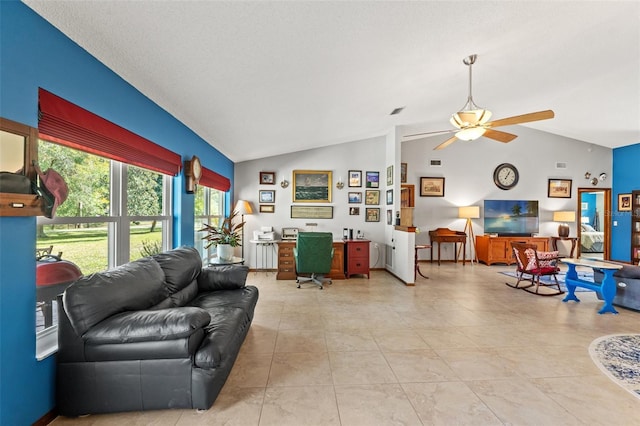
{"x": 470, "y": 212}
{"x": 563, "y": 217}
{"x": 243, "y": 207}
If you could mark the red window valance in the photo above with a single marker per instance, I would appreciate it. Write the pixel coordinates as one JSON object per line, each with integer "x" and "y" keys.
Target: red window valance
{"x": 214, "y": 180}
{"x": 65, "y": 123}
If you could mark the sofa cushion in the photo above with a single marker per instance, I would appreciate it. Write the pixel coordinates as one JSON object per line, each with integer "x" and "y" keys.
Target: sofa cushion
{"x": 130, "y": 287}
{"x": 225, "y": 331}
{"x": 181, "y": 267}
{"x": 144, "y": 326}
{"x": 223, "y": 277}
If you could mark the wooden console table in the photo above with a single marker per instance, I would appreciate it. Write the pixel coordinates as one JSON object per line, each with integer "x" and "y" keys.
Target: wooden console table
{"x": 554, "y": 243}
{"x": 607, "y": 288}
{"x": 492, "y": 250}
{"x": 446, "y": 235}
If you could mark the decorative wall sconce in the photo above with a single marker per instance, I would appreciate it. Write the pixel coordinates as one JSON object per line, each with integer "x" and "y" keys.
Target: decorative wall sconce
{"x": 340, "y": 183}
{"x": 594, "y": 181}
{"x": 284, "y": 183}
{"x": 587, "y": 175}
{"x": 602, "y": 177}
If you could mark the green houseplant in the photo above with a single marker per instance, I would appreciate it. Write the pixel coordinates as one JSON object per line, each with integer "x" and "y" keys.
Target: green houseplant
{"x": 224, "y": 237}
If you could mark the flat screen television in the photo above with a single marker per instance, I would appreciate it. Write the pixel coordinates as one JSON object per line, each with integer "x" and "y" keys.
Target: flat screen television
{"x": 515, "y": 218}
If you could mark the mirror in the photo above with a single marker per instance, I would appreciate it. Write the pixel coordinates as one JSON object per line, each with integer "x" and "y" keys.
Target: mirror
{"x": 12, "y": 152}
{"x": 594, "y": 223}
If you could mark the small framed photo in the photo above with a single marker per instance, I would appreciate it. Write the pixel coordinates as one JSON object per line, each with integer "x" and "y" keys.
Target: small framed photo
{"x": 432, "y": 187}
{"x": 355, "y": 178}
{"x": 403, "y": 172}
{"x": 267, "y": 208}
{"x": 389, "y": 196}
{"x": 624, "y": 202}
{"x": 372, "y": 197}
{"x": 373, "y": 179}
{"x": 584, "y": 206}
{"x": 372, "y": 214}
{"x": 267, "y": 178}
{"x": 390, "y": 175}
{"x": 354, "y": 211}
{"x": 355, "y": 197}
{"x": 389, "y": 217}
{"x": 267, "y": 196}
{"x": 559, "y": 188}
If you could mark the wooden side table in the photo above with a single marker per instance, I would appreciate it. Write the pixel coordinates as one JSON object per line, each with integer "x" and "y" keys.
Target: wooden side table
{"x": 554, "y": 243}
{"x": 417, "y": 270}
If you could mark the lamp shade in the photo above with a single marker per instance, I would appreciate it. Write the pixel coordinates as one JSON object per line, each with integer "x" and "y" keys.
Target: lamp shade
{"x": 243, "y": 207}
{"x": 469, "y": 212}
{"x": 564, "y": 216}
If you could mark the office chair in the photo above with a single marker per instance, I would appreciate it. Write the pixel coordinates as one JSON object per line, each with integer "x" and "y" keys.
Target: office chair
{"x": 313, "y": 254}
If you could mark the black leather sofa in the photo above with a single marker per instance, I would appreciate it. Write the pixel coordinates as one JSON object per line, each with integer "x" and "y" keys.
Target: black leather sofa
{"x": 157, "y": 333}
{"x": 627, "y": 286}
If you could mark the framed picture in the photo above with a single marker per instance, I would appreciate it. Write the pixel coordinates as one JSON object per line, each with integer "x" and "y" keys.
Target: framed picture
{"x": 390, "y": 175}
{"x": 311, "y": 186}
{"x": 432, "y": 187}
{"x": 267, "y": 178}
{"x": 267, "y": 196}
{"x": 355, "y": 197}
{"x": 354, "y": 211}
{"x": 389, "y": 196}
{"x": 311, "y": 212}
{"x": 624, "y": 202}
{"x": 372, "y": 214}
{"x": 559, "y": 188}
{"x": 267, "y": 208}
{"x": 372, "y": 197}
{"x": 373, "y": 180}
{"x": 584, "y": 206}
{"x": 403, "y": 172}
{"x": 355, "y": 178}
{"x": 389, "y": 217}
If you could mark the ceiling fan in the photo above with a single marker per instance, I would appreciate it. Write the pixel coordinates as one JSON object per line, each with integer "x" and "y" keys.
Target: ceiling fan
{"x": 472, "y": 122}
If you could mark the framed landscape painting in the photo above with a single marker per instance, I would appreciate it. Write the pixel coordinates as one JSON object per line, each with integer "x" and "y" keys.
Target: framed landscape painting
{"x": 373, "y": 179}
{"x": 432, "y": 187}
{"x": 311, "y": 186}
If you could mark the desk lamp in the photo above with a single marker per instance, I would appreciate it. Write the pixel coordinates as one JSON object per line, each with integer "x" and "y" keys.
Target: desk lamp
{"x": 243, "y": 207}
{"x": 563, "y": 217}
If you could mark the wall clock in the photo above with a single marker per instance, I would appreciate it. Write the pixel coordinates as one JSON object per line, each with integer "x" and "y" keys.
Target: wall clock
{"x": 192, "y": 173}
{"x": 506, "y": 176}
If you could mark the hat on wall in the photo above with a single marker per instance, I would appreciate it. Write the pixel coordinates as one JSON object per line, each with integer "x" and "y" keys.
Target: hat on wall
{"x": 53, "y": 189}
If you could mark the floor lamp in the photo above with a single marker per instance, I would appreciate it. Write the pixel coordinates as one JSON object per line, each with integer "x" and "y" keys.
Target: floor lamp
{"x": 243, "y": 207}
{"x": 469, "y": 212}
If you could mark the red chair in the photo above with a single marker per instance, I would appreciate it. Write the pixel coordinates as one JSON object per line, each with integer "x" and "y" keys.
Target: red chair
{"x": 532, "y": 265}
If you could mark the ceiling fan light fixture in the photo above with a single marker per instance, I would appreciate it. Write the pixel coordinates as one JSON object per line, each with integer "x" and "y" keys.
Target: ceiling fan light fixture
{"x": 470, "y": 133}
{"x": 467, "y": 118}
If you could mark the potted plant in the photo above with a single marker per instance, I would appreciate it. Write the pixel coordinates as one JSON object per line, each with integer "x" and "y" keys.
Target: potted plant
{"x": 225, "y": 237}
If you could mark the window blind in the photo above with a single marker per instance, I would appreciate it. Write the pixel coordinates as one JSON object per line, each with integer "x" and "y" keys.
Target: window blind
{"x": 63, "y": 122}
{"x": 214, "y": 180}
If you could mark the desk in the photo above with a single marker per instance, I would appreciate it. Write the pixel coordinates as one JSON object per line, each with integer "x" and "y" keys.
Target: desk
{"x": 607, "y": 289}
{"x": 554, "y": 243}
{"x": 445, "y": 235}
{"x": 417, "y": 267}
{"x": 267, "y": 247}
{"x": 235, "y": 260}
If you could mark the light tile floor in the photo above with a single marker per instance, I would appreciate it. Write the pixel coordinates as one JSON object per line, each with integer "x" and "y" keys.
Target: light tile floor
{"x": 458, "y": 348}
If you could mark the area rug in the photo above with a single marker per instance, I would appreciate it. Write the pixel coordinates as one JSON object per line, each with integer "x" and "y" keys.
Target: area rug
{"x": 618, "y": 356}
{"x": 587, "y": 276}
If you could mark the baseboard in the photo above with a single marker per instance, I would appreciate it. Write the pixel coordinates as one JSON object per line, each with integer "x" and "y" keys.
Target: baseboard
{"x": 47, "y": 418}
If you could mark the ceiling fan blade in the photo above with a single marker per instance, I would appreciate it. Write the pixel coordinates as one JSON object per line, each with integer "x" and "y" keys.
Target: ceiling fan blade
{"x": 424, "y": 135}
{"x": 524, "y": 118}
{"x": 499, "y": 136}
{"x": 446, "y": 143}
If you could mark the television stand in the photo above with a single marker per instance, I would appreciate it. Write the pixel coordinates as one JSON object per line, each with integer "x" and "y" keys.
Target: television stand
{"x": 492, "y": 250}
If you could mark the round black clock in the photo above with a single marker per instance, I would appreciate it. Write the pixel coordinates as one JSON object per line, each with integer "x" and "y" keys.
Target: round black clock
{"x": 505, "y": 176}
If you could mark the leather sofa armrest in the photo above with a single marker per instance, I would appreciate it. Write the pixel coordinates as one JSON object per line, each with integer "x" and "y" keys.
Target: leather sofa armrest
{"x": 223, "y": 278}
{"x": 148, "y": 326}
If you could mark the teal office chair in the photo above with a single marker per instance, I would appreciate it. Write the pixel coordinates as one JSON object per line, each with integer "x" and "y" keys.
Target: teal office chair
{"x": 313, "y": 254}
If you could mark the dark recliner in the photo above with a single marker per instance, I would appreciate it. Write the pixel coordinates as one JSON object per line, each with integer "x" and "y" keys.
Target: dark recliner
{"x": 313, "y": 254}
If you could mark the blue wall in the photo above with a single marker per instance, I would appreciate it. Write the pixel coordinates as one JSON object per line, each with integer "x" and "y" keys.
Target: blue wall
{"x": 625, "y": 180}
{"x": 34, "y": 54}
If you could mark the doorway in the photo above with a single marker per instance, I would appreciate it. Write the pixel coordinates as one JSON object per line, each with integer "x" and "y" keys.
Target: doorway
{"x": 594, "y": 223}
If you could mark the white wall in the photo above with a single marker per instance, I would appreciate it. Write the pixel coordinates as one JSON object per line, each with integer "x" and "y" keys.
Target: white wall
{"x": 466, "y": 166}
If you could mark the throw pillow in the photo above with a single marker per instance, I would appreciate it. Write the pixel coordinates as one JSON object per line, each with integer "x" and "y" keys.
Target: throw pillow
{"x": 547, "y": 259}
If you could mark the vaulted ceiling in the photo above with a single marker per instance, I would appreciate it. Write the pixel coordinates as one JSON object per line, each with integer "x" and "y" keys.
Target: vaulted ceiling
{"x": 262, "y": 78}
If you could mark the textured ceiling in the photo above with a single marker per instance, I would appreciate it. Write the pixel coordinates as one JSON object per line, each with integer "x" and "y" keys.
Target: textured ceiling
{"x": 256, "y": 79}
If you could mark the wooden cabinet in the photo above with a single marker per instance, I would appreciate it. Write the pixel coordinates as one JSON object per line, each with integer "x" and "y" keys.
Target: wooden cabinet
{"x": 357, "y": 260}
{"x": 287, "y": 263}
{"x": 635, "y": 227}
{"x": 492, "y": 250}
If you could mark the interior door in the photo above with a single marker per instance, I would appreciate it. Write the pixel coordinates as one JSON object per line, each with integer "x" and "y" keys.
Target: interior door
{"x": 594, "y": 223}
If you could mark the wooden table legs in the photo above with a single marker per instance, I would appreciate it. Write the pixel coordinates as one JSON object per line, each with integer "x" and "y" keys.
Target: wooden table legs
{"x": 417, "y": 269}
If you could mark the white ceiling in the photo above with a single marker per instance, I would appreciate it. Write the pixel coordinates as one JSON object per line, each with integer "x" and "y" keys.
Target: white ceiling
{"x": 256, "y": 79}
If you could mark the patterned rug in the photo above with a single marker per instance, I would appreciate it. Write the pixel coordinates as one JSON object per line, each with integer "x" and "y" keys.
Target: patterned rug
{"x": 587, "y": 276}
{"x": 618, "y": 356}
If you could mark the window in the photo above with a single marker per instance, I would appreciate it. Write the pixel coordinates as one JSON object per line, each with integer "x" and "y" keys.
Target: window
{"x": 209, "y": 208}
{"x": 114, "y": 213}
